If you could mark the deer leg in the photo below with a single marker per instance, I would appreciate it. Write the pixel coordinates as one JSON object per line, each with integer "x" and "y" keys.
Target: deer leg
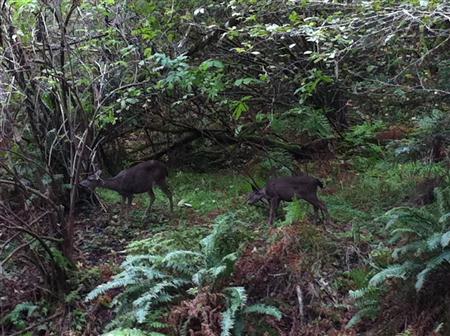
{"x": 316, "y": 214}
{"x": 317, "y": 205}
{"x": 127, "y": 211}
{"x": 166, "y": 190}
{"x": 274, "y": 202}
{"x": 122, "y": 204}
{"x": 152, "y": 197}
{"x": 325, "y": 213}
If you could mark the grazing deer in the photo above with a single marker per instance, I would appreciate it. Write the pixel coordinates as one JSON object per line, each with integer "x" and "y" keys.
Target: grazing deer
{"x": 286, "y": 189}
{"x": 135, "y": 180}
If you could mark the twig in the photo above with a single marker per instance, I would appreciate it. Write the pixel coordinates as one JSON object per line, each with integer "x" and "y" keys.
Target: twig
{"x": 33, "y": 191}
{"x": 17, "y": 249}
{"x": 300, "y": 303}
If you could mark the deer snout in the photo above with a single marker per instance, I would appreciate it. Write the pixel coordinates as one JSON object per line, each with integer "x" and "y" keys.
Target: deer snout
{"x": 86, "y": 184}
{"x": 254, "y": 197}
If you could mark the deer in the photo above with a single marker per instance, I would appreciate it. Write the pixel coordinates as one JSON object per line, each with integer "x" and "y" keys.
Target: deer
{"x": 138, "y": 179}
{"x": 286, "y": 189}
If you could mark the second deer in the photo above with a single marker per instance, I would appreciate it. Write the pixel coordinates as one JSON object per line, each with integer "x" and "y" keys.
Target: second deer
{"x": 135, "y": 180}
{"x": 286, "y": 189}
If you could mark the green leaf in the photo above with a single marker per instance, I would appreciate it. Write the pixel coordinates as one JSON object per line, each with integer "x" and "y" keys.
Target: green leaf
{"x": 246, "y": 81}
{"x": 294, "y": 17}
{"x": 206, "y": 65}
{"x": 22, "y": 3}
{"x": 240, "y": 107}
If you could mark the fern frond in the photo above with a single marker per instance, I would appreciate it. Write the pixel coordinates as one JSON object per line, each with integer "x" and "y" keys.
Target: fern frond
{"x": 431, "y": 265}
{"x": 236, "y": 298}
{"x": 264, "y": 309}
{"x": 154, "y": 293}
{"x": 148, "y": 273}
{"x": 416, "y": 248}
{"x": 227, "y": 322}
{"x": 130, "y": 332}
{"x": 236, "y": 295}
{"x": 184, "y": 261}
{"x": 217, "y": 271}
{"x": 392, "y": 271}
{"x": 365, "y": 292}
{"x": 445, "y": 221}
{"x": 370, "y": 312}
{"x": 132, "y": 260}
{"x": 116, "y": 283}
{"x": 158, "y": 325}
{"x": 443, "y": 199}
{"x": 421, "y": 220}
{"x": 198, "y": 278}
{"x": 445, "y": 239}
{"x": 434, "y": 241}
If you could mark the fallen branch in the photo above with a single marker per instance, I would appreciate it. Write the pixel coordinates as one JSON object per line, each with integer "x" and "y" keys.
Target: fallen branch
{"x": 301, "y": 310}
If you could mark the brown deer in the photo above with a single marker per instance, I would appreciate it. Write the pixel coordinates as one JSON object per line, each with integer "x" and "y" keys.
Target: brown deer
{"x": 286, "y": 189}
{"x": 138, "y": 179}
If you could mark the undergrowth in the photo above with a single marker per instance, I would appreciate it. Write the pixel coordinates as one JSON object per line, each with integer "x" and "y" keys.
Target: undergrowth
{"x": 169, "y": 278}
{"x": 166, "y": 275}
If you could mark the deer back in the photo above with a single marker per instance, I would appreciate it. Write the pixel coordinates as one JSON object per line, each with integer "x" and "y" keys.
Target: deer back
{"x": 287, "y": 187}
{"x": 142, "y": 177}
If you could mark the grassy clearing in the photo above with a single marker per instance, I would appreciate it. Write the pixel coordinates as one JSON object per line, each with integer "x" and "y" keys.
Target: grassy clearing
{"x": 375, "y": 187}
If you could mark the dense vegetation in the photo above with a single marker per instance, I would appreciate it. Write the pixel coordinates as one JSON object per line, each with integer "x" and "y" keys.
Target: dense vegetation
{"x": 227, "y": 94}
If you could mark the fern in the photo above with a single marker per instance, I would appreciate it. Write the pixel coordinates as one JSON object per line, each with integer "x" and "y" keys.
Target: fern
{"x": 393, "y": 271}
{"x": 295, "y": 211}
{"x": 424, "y": 238}
{"x": 421, "y": 239}
{"x": 16, "y": 315}
{"x": 443, "y": 201}
{"x": 131, "y": 332}
{"x": 309, "y": 120}
{"x": 232, "y": 317}
{"x": 227, "y": 322}
{"x": 263, "y": 309}
{"x": 154, "y": 280}
{"x": 445, "y": 239}
{"x": 430, "y": 266}
{"x": 116, "y": 283}
{"x": 367, "y": 302}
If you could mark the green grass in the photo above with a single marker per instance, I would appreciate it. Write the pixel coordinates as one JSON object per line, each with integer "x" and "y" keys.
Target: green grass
{"x": 207, "y": 195}
{"x": 209, "y": 192}
{"x": 379, "y": 187}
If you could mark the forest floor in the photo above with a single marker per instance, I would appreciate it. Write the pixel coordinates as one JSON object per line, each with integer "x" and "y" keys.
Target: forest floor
{"x": 292, "y": 259}
{"x": 305, "y": 270}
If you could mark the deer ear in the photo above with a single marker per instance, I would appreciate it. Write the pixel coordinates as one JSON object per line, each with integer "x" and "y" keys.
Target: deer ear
{"x": 98, "y": 173}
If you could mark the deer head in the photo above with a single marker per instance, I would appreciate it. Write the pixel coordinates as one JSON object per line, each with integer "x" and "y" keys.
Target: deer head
{"x": 256, "y": 195}
{"x": 92, "y": 181}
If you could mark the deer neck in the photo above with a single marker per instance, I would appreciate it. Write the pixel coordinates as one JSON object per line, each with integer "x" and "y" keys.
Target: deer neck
{"x": 110, "y": 183}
